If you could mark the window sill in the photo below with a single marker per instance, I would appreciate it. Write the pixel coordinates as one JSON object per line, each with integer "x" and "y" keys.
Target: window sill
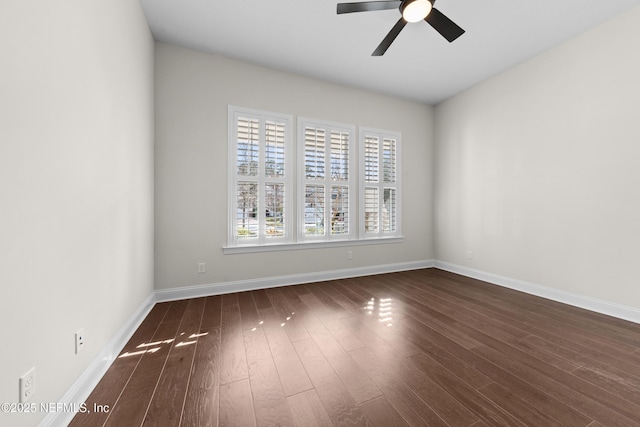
{"x": 245, "y": 249}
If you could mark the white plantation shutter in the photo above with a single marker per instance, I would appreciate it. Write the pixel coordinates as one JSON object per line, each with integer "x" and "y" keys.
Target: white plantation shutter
{"x": 259, "y": 155}
{"x": 379, "y": 192}
{"x": 325, "y": 161}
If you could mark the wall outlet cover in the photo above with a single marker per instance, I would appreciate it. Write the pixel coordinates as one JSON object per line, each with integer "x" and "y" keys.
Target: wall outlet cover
{"x": 27, "y": 385}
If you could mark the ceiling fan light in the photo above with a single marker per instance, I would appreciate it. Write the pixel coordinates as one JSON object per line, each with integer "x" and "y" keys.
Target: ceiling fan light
{"x": 416, "y": 10}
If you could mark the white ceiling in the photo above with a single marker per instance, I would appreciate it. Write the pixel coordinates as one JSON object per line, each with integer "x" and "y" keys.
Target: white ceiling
{"x": 307, "y": 37}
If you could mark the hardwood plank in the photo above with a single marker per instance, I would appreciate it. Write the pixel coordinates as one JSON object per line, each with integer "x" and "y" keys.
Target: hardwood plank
{"x": 248, "y": 310}
{"x": 360, "y": 387}
{"x": 233, "y": 360}
{"x": 610, "y": 378}
{"x": 325, "y": 300}
{"x": 212, "y": 314}
{"x": 343, "y": 334}
{"x": 381, "y": 413}
{"x": 442, "y": 403}
{"x": 370, "y": 319}
{"x": 230, "y": 299}
{"x": 529, "y": 345}
{"x": 284, "y": 310}
{"x": 236, "y": 405}
{"x": 165, "y": 408}
{"x": 269, "y": 401}
{"x": 593, "y": 401}
{"x": 147, "y": 328}
{"x": 444, "y": 351}
{"x": 361, "y": 326}
{"x": 563, "y": 388}
{"x": 202, "y": 398}
{"x": 333, "y": 288}
{"x": 412, "y": 409}
{"x": 488, "y": 372}
{"x": 581, "y": 356}
{"x": 509, "y": 402}
{"x": 292, "y": 375}
{"x": 307, "y": 410}
{"x": 175, "y": 311}
{"x": 115, "y": 379}
{"x": 261, "y": 299}
{"x": 482, "y": 407}
{"x": 335, "y": 398}
{"x": 131, "y": 406}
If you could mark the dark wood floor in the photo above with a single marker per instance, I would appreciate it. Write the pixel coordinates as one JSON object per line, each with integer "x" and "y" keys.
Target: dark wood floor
{"x": 419, "y": 348}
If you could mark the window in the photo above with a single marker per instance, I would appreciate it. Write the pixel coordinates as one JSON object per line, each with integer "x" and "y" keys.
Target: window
{"x": 283, "y": 195}
{"x": 260, "y": 177}
{"x": 379, "y": 188}
{"x": 326, "y": 180}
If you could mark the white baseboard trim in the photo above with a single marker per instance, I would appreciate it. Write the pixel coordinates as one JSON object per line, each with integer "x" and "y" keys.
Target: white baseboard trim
{"x": 593, "y": 304}
{"x": 84, "y": 385}
{"x": 174, "y": 294}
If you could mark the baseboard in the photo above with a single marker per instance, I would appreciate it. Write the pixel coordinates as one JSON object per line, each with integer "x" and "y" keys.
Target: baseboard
{"x": 593, "y": 304}
{"x": 84, "y": 385}
{"x": 174, "y": 294}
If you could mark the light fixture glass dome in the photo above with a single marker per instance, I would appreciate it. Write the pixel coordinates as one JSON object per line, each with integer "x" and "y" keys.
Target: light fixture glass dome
{"x": 416, "y": 10}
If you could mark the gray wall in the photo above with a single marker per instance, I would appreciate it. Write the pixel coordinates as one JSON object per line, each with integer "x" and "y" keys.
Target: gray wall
{"x": 76, "y": 185}
{"x": 193, "y": 91}
{"x": 537, "y": 169}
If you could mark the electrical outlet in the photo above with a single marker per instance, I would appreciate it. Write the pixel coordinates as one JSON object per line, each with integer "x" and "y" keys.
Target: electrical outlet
{"x": 469, "y": 255}
{"x": 27, "y": 385}
{"x": 349, "y": 254}
{"x": 202, "y": 267}
{"x": 79, "y": 340}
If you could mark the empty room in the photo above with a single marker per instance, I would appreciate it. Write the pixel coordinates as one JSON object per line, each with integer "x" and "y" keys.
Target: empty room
{"x": 279, "y": 213}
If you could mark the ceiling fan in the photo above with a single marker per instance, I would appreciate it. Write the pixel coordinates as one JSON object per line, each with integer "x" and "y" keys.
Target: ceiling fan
{"x": 412, "y": 11}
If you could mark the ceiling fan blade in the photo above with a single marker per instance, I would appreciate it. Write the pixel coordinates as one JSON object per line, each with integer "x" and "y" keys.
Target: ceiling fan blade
{"x": 382, "y": 47}
{"x": 368, "y": 6}
{"x": 445, "y": 26}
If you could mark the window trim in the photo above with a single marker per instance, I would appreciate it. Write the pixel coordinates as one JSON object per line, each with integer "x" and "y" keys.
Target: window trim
{"x": 294, "y": 246}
